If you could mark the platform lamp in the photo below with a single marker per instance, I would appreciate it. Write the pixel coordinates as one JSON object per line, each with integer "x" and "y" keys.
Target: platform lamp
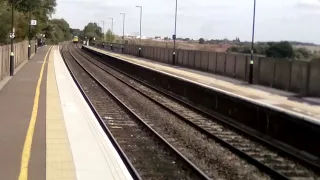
{"x": 252, "y": 45}
{"x": 29, "y": 45}
{"x": 12, "y": 37}
{"x": 123, "y": 42}
{"x": 111, "y": 33}
{"x": 140, "y": 28}
{"x": 174, "y": 37}
{"x": 104, "y": 37}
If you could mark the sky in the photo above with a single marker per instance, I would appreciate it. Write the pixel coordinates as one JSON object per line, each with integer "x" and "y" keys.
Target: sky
{"x": 276, "y": 20}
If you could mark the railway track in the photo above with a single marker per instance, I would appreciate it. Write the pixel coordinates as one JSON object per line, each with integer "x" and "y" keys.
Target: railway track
{"x": 267, "y": 160}
{"x": 151, "y": 156}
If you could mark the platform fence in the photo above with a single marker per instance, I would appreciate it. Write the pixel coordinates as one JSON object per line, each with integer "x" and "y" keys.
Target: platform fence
{"x": 21, "y": 55}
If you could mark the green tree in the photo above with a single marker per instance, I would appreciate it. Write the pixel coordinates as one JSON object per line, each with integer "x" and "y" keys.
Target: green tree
{"x": 280, "y": 50}
{"x": 92, "y": 30}
{"x": 5, "y": 19}
{"x": 58, "y": 30}
{"x": 40, "y": 10}
{"x": 201, "y": 41}
{"x": 75, "y": 32}
{"x": 110, "y": 37}
{"x": 61, "y": 24}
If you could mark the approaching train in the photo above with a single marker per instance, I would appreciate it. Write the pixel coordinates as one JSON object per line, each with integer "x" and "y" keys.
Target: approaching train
{"x": 75, "y": 39}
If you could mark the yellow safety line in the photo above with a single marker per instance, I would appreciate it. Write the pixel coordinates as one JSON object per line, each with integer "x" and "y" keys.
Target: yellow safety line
{"x": 28, "y": 141}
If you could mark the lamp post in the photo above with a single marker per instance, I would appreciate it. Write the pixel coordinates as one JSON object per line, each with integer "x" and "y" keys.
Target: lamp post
{"x": 140, "y": 28}
{"x": 111, "y": 25}
{"x": 103, "y": 30}
{"x": 12, "y": 37}
{"x": 252, "y": 44}
{"x": 111, "y": 28}
{"x": 124, "y": 18}
{"x": 111, "y": 33}
{"x": 29, "y": 45}
{"x": 175, "y": 35}
{"x": 140, "y": 21}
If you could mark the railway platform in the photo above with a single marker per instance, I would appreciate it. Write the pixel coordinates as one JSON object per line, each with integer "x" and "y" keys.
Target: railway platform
{"x": 286, "y": 102}
{"x": 48, "y": 131}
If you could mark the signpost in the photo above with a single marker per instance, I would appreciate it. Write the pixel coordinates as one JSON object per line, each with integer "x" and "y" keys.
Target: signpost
{"x": 32, "y": 23}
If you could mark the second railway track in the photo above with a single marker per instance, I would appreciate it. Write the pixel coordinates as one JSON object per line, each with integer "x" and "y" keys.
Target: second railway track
{"x": 149, "y": 153}
{"x": 193, "y": 134}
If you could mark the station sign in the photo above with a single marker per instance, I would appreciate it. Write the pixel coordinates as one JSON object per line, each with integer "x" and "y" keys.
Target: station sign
{"x": 33, "y": 22}
{"x": 12, "y": 35}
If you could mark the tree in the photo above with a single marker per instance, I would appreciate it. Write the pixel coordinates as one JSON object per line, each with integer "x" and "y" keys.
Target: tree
{"x": 201, "y": 41}
{"x": 57, "y": 30}
{"x": 280, "y": 50}
{"x": 75, "y": 32}
{"x": 40, "y": 10}
{"x": 62, "y": 26}
{"x": 110, "y": 36}
{"x": 5, "y": 19}
{"x": 92, "y": 30}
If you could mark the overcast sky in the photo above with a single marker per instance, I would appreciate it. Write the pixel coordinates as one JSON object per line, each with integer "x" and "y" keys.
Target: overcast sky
{"x": 276, "y": 20}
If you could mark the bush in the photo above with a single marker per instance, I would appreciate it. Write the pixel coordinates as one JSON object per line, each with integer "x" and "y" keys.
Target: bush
{"x": 201, "y": 41}
{"x": 233, "y": 49}
{"x": 280, "y": 50}
{"x": 306, "y": 54}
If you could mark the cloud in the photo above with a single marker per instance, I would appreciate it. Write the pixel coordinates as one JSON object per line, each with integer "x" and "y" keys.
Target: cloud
{"x": 275, "y": 20}
{"x": 309, "y": 4}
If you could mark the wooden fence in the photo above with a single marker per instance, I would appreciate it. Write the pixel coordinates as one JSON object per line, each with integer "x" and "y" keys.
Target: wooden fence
{"x": 21, "y": 54}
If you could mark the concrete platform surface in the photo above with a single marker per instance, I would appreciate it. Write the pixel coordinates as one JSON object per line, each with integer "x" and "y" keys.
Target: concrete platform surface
{"x": 17, "y": 112}
{"x": 93, "y": 154}
{"x": 47, "y": 130}
{"x": 306, "y": 108}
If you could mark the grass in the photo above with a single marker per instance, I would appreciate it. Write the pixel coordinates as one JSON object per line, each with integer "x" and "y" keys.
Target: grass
{"x": 180, "y": 45}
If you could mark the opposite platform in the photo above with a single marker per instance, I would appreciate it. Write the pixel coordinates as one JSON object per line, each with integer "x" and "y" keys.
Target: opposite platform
{"x": 272, "y": 98}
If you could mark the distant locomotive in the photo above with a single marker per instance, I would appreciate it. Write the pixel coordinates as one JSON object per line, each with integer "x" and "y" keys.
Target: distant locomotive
{"x": 75, "y": 39}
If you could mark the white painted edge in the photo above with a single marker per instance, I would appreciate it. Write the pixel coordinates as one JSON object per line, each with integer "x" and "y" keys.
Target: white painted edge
{"x": 92, "y": 151}
{"x": 288, "y": 112}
